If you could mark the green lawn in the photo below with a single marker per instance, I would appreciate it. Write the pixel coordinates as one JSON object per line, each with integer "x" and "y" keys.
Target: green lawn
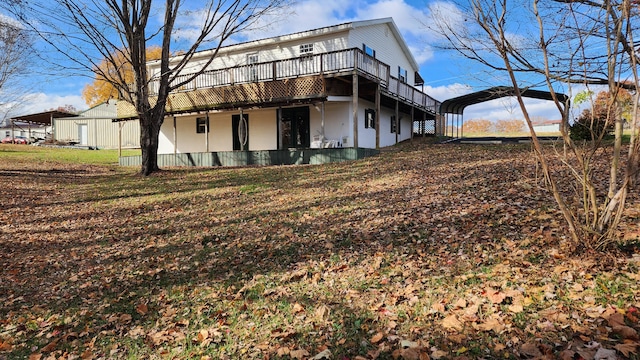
{"x": 25, "y": 153}
{"x": 425, "y": 251}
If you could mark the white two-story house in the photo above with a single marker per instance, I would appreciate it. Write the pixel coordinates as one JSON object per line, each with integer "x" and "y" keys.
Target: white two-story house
{"x": 352, "y": 85}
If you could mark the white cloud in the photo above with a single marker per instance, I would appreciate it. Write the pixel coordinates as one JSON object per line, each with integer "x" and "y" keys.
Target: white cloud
{"x": 440, "y": 17}
{"x": 408, "y": 18}
{"x": 40, "y": 102}
{"x": 445, "y": 92}
{"x": 507, "y": 108}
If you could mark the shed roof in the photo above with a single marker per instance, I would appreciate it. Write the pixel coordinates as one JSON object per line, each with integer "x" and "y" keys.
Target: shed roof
{"x": 458, "y": 104}
{"x": 44, "y": 117}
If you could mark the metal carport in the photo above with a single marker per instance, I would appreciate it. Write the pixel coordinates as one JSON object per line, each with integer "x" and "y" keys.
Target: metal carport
{"x": 453, "y": 109}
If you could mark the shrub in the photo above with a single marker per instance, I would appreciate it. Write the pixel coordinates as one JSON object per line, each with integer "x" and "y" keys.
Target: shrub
{"x": 589, "y": 127}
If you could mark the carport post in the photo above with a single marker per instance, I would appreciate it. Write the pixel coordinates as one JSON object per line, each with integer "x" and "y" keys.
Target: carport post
{"x": 53, "y": 128}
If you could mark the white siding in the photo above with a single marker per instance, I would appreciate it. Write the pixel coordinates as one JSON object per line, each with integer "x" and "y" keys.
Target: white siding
{"x": 271, "y": 52}
{"x": 262, "y": 132}
{"x": 366, "y": 136}
{"x": 337, "y": 121}
{"x": 380, "y": 38}
{"x": 263, "y": 129}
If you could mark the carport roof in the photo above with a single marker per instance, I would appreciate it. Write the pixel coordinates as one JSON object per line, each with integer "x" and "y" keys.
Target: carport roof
{"x": 44, "y": 117}
{"x": 458, "y": 104}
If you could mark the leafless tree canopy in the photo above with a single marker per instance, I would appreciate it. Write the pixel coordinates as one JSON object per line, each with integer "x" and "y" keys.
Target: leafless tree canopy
{"x": 86, "y": 32}
{"x": 14, "y": 56}
{"x": 563, "y": 44}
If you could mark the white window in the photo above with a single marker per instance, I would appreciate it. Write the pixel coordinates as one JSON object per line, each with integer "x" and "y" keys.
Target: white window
{"x": 306, "y": 49}
{"x": 202, "y": 125}
{"x": 369, "y": 119}
{"x": 252, "y": 60}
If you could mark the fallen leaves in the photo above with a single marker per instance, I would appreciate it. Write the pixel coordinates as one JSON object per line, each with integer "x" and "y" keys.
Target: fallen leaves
{"x": 407, "y": 255}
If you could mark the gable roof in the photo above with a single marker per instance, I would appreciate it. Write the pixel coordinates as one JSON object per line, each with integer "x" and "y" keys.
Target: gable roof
{"x": 104, "y": 110}
{"x": 332, "y": 29}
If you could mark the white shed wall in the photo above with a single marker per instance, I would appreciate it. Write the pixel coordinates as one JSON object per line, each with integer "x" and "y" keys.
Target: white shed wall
{"x": 102, "y": 133}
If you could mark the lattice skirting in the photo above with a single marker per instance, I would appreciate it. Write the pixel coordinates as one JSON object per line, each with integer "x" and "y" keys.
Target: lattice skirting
{"x": 263, "y": 157}
{"x": 236, "y": 95}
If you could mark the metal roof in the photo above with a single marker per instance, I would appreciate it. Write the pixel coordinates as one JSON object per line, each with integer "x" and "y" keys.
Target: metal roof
{"x": 458, "y": 104}
{"x": 44, "y": 117}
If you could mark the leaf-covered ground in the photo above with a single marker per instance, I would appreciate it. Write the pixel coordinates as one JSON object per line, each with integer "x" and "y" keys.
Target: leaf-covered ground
{"x": 426, "y": 251}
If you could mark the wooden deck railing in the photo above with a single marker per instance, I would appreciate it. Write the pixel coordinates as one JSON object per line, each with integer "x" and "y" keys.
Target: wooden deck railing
{"x": 319, "y": 64}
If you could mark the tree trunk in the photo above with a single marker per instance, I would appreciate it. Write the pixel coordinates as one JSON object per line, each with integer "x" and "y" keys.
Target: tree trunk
{"x": 149, "y": 136}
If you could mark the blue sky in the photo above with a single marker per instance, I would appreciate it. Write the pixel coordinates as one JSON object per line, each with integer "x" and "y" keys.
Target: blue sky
{"x": 446, "y": 74}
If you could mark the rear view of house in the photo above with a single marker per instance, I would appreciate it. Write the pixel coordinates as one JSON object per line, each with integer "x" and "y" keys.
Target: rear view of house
{"x": 345, "y": 86}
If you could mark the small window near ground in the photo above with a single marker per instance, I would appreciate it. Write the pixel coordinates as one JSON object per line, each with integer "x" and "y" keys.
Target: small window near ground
{"x": 7, "y": 133}
{"x": 393, "y": 123}
{"x": 369, "y": 119}
{"x": 202, "y": 125}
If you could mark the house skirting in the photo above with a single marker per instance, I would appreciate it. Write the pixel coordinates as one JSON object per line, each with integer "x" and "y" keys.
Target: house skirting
{"x": 262, "y": 157}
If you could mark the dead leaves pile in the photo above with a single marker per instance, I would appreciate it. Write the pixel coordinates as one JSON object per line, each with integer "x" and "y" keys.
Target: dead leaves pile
{"x": 409, "y": 255}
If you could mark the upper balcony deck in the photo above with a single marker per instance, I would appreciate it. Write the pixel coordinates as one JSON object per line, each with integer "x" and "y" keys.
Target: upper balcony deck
{"x": 262, "y": 82}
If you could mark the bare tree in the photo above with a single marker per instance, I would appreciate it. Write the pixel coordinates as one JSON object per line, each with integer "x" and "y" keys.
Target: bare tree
{"x": 14, "y": 60}
{"x": 573, "y": 42}
{"x": 86, "y": 32}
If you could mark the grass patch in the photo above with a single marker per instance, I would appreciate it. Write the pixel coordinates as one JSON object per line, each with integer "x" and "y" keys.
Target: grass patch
{"x": 44, "y": 154}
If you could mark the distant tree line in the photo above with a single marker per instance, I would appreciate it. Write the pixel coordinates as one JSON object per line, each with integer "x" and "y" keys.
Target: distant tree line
{"x": 488, "y": 126}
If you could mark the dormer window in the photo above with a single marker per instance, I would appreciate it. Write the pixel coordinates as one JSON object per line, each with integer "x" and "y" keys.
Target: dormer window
{"x": 369, "y": 51}
{"x": 306, "y": 49}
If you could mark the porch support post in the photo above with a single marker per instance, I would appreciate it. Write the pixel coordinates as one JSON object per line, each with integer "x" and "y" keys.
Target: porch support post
{"x": 175, "y": 137}
{"x": 446, "y": 124}
{"x": 377, "y": 120}
{"x": 397, "y": 120}
{"x": 411, "y": 122}
{"x": 278, "y": 127}
{"x": 206, "y": 132}
{"x": 355, "y": 109}
{"x": 53, "y": 128}
{"x": 322, "y": 121}
{"x": 120, "y": 124}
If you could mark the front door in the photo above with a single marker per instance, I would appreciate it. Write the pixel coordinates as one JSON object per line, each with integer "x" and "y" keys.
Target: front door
{"x": 294, "y": 128}
{"x": 240, "y": 132}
